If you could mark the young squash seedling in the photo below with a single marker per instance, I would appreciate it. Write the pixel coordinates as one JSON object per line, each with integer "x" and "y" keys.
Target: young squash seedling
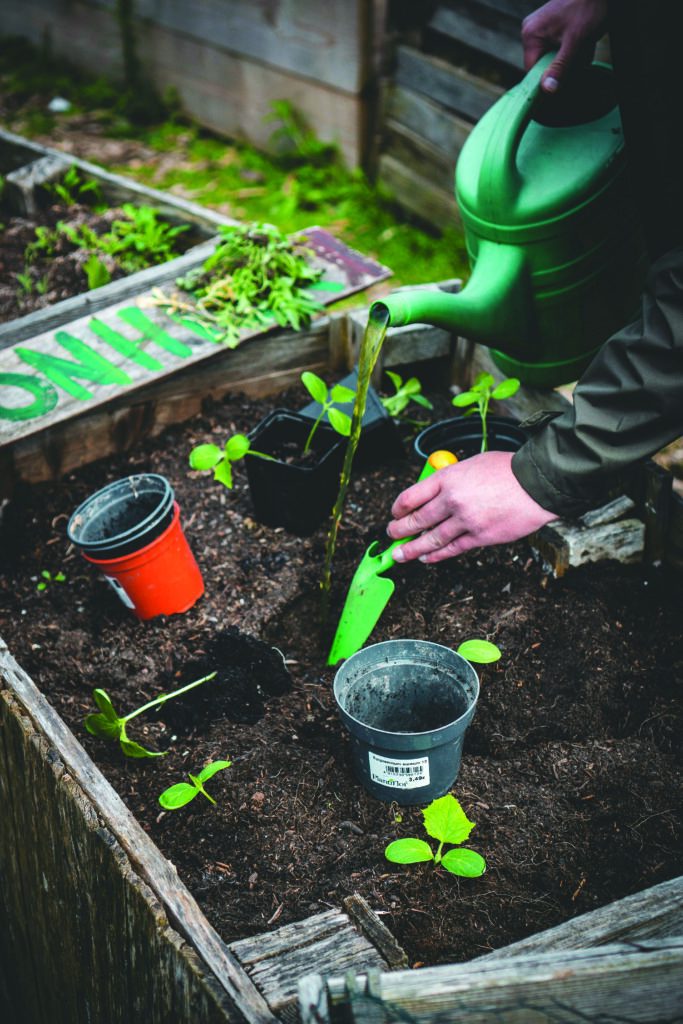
{"x": 405, "y": 392}
{"x": 317, "y": 388}
{"x": 446, "y": 822}
{"x": 180, "y": 794}
{"x": 480, "y": 394}
{"x": 108, "y": 725}
{"x": 220, "y": 460}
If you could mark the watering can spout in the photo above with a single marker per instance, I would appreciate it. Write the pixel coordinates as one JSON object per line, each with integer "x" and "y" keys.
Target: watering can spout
{"x": 495, "y": 307}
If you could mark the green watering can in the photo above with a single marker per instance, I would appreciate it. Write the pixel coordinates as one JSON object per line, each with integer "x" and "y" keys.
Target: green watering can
{"x": 554, "y": 242}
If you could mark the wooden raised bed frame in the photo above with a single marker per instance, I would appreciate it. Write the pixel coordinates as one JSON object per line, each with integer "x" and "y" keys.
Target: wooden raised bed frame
{"x": 95, "y": 923}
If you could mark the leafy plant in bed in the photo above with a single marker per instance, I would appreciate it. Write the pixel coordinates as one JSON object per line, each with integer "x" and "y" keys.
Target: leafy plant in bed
{"x": 292, "y": 464}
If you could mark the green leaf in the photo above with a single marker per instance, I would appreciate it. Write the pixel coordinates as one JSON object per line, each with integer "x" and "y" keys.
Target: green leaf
{"x": 212, "y": 768}
{"x": 41, "y": 586}
{"x": 340, "y": 421}
{"x": 483, "y": 381}
{"x": 464, "y": 862}
{"x": 205, "y": 456}
{"x": 99, "y": 725}
{"x": 133, "y": 749}
{"x": 339, "y": 393}
{"x": 395, "y": 379}
{"x": 421, "y": 400}
{"x": 316, "y": 387}
{"x": 446, "y": 821}
{"x": 479, "y": 650}
{"x": 506, "y": 388}
{"x": 236, "y": 447}
{"x": 466, "y": 398}
{"x": 223, "y": 473}
{"x": 101, "y": 698}
{"x": 177, "y": 796}
{"x": 59, "y": 578}
{"x": 408, "y": 851}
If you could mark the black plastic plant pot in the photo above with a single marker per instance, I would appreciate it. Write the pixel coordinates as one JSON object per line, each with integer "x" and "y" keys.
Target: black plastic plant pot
{"x": 288, "y": 493}
{"x": 462, "y": 436}
{"x": 379, "y": 440}
{"x": 406, "y": 705}
{"x": 123, "y": 517}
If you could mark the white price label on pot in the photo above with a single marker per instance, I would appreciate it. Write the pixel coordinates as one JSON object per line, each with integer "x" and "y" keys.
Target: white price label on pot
{"x": 120, "y": 591}
{"x": 399, "y": 774}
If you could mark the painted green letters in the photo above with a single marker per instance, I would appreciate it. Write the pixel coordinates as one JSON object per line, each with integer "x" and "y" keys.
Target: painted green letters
{"x": 92, "y": 366}
{"x": 45, "y": 397}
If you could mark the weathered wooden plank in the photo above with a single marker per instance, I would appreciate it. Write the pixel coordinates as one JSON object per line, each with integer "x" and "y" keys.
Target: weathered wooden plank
{"x": 130, "y": 344}
{"x": 445, "y": 132}
{"x": 445, "y": 83}
{"x": 563, "y": 545}
{"x": 378, "y": 934}
{"x": 418, "y": 195}
{"x": 418, "y": 157}
{"x": 258, "y": 368}
{"x": 327, "y": 43}
{"x": 275, "y": 961}
{"x": 484, "y": 28}
{"x": 639, "y": 983}
{"x": 155, "y": 870}
{"x": 654, "y": 913}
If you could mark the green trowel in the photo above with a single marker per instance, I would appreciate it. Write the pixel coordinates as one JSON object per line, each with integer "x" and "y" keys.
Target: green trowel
{"x": 367, "y": 597}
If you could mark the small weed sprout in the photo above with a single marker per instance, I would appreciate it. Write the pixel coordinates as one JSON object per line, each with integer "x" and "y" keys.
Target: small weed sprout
{"x": 48, "y": 578}
{"x": 317, "y": 388}
{"x": 73, "y": 188}
{"x": 180, "y": 794}
{"x": 108, "y": 725}
{"x": 405, "y": 392}
{"x": 480, "y": 394}
{"x": 446, "y": 822}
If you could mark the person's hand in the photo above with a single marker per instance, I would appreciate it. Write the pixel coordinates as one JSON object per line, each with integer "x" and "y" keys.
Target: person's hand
{"x": 573, "y": 27}
{"x": 471, "y": 504}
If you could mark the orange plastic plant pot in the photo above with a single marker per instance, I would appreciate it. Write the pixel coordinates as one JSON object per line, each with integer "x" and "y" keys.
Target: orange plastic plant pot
{"x": 161, "y": 578}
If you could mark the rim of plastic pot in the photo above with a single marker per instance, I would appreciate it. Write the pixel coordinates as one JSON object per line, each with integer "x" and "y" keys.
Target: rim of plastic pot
{"x": 504, "y": 433}
{"x": 423, "y": 653}
{"x": 95, "y": 526}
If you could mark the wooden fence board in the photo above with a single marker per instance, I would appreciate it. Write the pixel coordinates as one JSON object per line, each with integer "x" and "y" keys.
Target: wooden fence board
{"x": 483, "y": 27}
{"x": 443, "y": 131}
{"x": 445, "y": 84}
{"x": 417, "y": 194}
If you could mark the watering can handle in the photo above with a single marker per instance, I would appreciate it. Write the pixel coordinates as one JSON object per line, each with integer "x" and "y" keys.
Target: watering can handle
{"x": 500, "y": 179}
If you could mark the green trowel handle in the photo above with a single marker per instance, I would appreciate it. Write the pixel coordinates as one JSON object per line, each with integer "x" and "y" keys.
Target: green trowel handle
{"x": 386, "y": 559}
{"x": 500, "y": 179}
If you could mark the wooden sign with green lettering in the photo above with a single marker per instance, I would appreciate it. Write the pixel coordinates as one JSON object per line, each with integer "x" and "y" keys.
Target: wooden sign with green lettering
{"x": 99, "y": 358}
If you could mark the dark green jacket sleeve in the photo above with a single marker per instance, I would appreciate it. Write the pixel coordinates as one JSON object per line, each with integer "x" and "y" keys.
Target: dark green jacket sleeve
{"x": 628, "y": 405}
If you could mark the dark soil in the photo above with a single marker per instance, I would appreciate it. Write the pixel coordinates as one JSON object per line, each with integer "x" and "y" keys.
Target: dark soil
{"x": 572, "y": 764}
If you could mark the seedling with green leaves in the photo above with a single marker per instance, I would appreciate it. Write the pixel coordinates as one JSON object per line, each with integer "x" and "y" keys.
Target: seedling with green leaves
{"x": 48, "y": 578}
{"x": 108, "y": 725}
{"x": 209, "y": 456}
{"x": 180, "y": 794}
{"x": 446, "y": 822}
{"x": 73, "y": 188}
{"x": 480, "y": 394}
{"x": 405, "y": 392}
{"x": 317, "y": 388}
{"x": 220, "y": 460}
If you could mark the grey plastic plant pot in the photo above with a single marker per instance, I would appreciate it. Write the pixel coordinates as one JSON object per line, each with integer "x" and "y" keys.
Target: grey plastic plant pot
{"x": 406, "y": 705}
{"x": 123, "y": 517}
